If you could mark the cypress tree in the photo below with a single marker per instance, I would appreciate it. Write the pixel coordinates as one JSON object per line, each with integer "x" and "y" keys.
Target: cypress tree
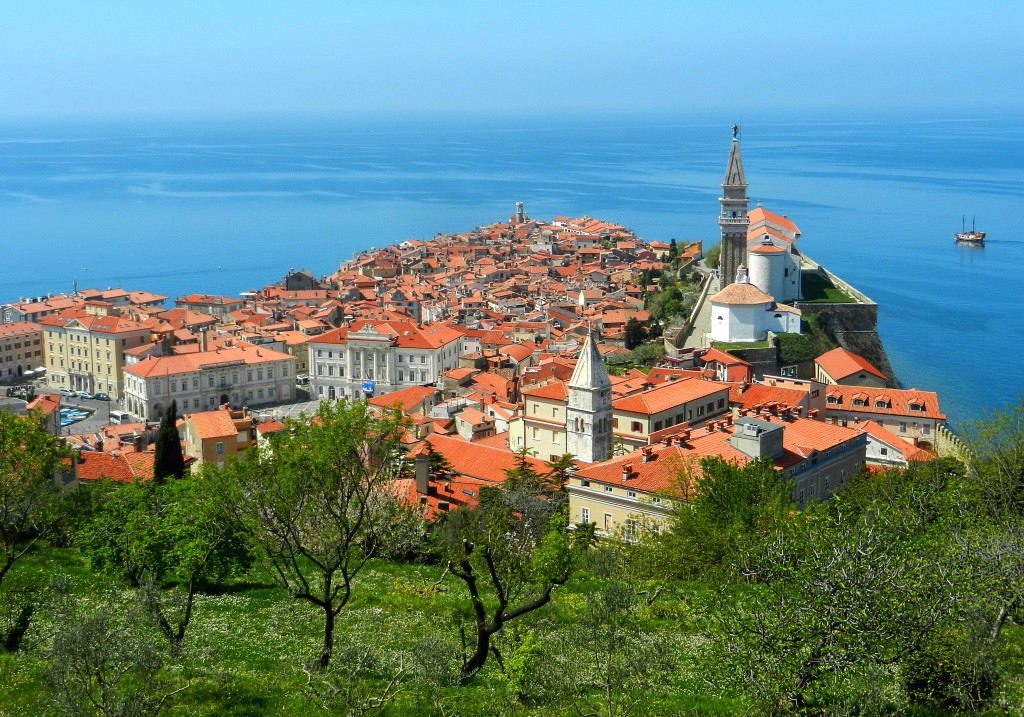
{"x": 169, "y": 461}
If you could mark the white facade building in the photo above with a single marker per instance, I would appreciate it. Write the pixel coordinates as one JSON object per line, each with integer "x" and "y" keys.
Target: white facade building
{"x": 242, "y": 375}
{"x": 741, "y": 312}
{"x": 377, "y": 357}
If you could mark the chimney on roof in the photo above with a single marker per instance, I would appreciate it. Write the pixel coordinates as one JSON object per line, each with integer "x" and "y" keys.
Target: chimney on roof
{"x": 648, "y": 453}
{"x": 627, "y": 472}
{"x": 682, "y": 437}
{"x": 422, "y": 471}
{"x": 813, "y": 413}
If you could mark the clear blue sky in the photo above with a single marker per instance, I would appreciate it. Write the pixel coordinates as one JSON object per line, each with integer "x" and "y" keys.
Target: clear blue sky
{"x": 79, "y": 57}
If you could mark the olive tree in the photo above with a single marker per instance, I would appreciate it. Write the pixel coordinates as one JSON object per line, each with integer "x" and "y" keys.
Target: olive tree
{"x": 166, "y": 540}
{"x": 511, "y": 552}
{"x": 102, "y": 663}
{"x": 322, "y": 503}
{"x": 830, "y": 594}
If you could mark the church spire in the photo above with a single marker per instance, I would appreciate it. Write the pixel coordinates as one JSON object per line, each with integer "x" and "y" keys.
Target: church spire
{"x": 733, "y": 219}
{"x": 588, "y": 412}
{"x": 734, "y": 167}
{"x": 590, "y": 372}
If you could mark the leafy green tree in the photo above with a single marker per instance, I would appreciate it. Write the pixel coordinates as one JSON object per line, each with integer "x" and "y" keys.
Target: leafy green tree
{"x": 667, "y": 303}
{"x": 726, "y": 507}
{"x": 712, "y": 256}
{"x": 636, "y": 333}
{"x": 440, "y": 469}
{"x": 996, "y": 461}
{"x": 32, "y": 506}
{"x": 167, "y": 540}
{"x": 321, "y": 505}
{"x": 829, "y": 595}
{"x": 169, "y": 461}
{"x": 648, "y": 354}
{"x": 559, "y": 472}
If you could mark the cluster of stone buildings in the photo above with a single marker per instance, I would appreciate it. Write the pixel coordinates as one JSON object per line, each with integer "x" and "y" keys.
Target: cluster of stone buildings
{"x": 493, "y": 342}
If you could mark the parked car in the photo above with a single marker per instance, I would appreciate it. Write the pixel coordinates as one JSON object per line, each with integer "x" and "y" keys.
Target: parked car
{"x": 86, "y": 395}
{"x": 101, "y": 397}
{"x": 68, "y": 393}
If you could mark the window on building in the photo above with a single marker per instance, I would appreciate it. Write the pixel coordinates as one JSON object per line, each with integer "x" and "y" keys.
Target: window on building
{"x": 218, "y": 449}
{"x": 630, "y": 533}
{"x": 903, "y": 426}
{"x": 631, "y": 494}
{"x": 608, "y": 489}
{"x": 636, "y": 427}
{"x": 608, "y": 522}
{"x": 584, "y": 515}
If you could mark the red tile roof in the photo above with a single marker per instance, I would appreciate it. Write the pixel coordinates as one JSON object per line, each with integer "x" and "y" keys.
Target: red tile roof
{"x": 897, "y": 400}
{"x": 668, "y": 395}
{"x": 840, "y": 363}
{"x": 120, "y": 467}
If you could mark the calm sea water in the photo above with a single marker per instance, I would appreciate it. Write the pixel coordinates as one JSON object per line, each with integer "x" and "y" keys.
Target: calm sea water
{"x": 227, "y": 205}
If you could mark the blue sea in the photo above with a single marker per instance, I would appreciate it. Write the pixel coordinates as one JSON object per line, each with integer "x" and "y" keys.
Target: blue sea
{"x": 223, "y": 205}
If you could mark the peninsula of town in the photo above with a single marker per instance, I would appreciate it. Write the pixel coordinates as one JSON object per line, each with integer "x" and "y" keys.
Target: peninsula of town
{"x": 523, "y": 340}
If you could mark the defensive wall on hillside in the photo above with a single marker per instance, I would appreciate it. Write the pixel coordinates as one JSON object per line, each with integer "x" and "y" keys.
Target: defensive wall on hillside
{"x": 854, "y": 326}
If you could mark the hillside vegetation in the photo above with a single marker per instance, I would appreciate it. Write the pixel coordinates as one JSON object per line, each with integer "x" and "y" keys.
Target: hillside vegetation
{"x": 294, "y": 583}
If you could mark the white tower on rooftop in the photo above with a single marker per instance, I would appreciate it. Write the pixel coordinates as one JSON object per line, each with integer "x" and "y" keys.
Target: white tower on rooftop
{"x": 588, "y": 414}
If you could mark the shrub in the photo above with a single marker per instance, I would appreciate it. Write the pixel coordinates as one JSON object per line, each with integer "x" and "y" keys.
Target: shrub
{"x": 955, "y": 670}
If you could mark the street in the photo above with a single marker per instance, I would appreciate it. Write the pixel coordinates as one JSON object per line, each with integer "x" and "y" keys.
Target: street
{"x": 100, "y": 411}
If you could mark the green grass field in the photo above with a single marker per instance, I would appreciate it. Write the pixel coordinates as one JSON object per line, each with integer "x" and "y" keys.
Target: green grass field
{"x": 246, "y": 646}
{"x": 819, "y": 289}
{"x": 245, "y": 650}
